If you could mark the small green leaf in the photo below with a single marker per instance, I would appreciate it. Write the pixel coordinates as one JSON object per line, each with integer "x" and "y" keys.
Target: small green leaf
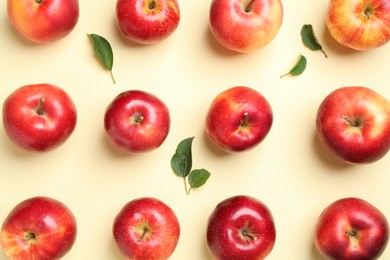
{"x": 103, "y": 51}
{"x": 198, "y": 177}
{"x": 310, "y": 40}
{"x": 181, "y": 161}
{"x": 299, "y": 67}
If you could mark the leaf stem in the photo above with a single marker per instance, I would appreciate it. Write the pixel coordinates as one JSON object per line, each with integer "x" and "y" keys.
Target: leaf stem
{"x": 112, "y": 77}
{"x": 188, "y": 190}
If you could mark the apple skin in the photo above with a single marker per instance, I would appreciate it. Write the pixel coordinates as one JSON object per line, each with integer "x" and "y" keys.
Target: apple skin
{"x": 43, "y": 21}
{"x": 38, "y": 228}
{"x": 39, "y": 117}
{"x": 353, "y": 123}
{"x": 147, "y": 21}
{"x": 241, "y": 227}
{"x": 351, "y": 229}
{"x": 359, "y": 24}
{"x": 238, "y": 119}
{"x": 137, "y": 121}
{"x": 242, "y": 30}
{"x": 146, "y": 228}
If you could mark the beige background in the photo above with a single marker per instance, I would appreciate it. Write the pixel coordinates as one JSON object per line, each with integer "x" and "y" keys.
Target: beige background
{"x": 289, "y": 171}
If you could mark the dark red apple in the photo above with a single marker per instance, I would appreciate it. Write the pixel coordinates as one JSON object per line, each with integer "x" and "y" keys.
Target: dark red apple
{"x": 137, "y": 121}
{"x": 146, "y": 228}
{"x": 351, "y": 229}
{"x": 241, "y": 227}
{"x": 38, "y": 228}
{"x": 238, "y": 119}
{"x": 39, "y": 117}
{"x": 353, "y": 123}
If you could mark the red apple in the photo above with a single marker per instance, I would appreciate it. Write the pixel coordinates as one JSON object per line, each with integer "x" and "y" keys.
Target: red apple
{"x": 147, "y": 21}
{"x": 43, "y": 21}
{"x": 241, "y": 227}
{"x": 351, "y": 229}
{"x": 136, "y": 121}
{"x": 359, "y": 24}
{"x": 353, "y": 123}
{"x": 245, "y": 25}
{"x": 238, "y": 119}
{"x": 38, "y": 228}
{"x": 39, "y": 117}
{"x": 146, "y": 228}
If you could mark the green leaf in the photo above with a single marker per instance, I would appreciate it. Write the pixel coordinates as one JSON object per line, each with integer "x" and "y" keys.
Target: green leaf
{"x": 181, "y": 161}
{"x": 310, "y": 40}
{"x": 103, "y": 51}
{"x": 299, "y": 67}
{"x": 198, "y": 177}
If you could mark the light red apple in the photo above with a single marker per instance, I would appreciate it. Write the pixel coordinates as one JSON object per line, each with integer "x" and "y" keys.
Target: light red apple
{"x": 39, "y": 117}
{"x": 38, "y": 228}
{"x": 359, "y": 24}
{"x": 245, "y": 25}
{"x": 238, "y": 119}
{"x": 136, "y": 121}
{"x": 146, "y": 228}
{"x": 147, "y": 21}
{"x": 43, "y": 21}
{"x": 353, "y": 123}
{"x": 241, "y": 227}
{"x": 351, "y": 229}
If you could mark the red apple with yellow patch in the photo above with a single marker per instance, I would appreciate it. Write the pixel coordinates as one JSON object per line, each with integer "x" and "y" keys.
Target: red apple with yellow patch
{"x": 43, "y": 21}
{"x": 359, "y": 24}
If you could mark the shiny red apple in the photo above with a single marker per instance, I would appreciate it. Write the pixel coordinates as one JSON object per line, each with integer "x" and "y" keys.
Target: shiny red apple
{"x": 39, "y": 117}
{"x": 351, "y": 229}
{"x": 353, "y": 123}
{"x": 146, "y": 228}
{"x": 137, "y": 121}
{"x": 147, "y": 21}
{"x": 38, "y": 228}
{"x": 238, "y": 119}
{"x": 359, "y": 24}
{"x": 241, "y": 227}
{"x": 245, "y": 25}
{"x": 43, "y": 21}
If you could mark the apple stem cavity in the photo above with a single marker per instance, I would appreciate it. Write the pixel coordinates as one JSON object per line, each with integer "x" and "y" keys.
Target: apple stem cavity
{"x": 137, "y": 118}
{"x": 354, "y": 123}
{"x": 152, "y": 4}
{"x": 40, "y": 110}
{"x": 368, "y": 12}
{"x": 249, "y": 6}
{"x": 29, "y": 236}
{"x": 244, "y": 120}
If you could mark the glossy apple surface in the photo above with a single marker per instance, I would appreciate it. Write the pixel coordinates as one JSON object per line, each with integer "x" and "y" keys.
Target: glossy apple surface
{"x": 39, "y": 117}
{"x": 38, "y": 228}
{"x": 137, "y": 121}
{"x": 238, "y": 119}
{"x": 351, "y": 229}
{"x": 353, "y": 123}
{"x": 245, "y": 25}
{"x": 359, "y": 24}
{"x": 146, "y": 228}
{"x": 43, "y": 21}
{"x": 241, "y": 227}
{"x": 147, "y": 21}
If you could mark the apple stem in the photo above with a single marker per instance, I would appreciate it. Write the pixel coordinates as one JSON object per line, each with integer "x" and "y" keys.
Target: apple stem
{"x": 29, "y": 236}
{"x": 249, "y": 6}
{"x": 245, "y": 119}
{"x": 350, "y": 121}
{"x": 40, "y": 108}
{"x": 367, "y": 12}
{"x": 350, "y": 233}
{"x": 152, "y": 4}
{"x": 245, "y": 233}
{"x": 145, "y": 230}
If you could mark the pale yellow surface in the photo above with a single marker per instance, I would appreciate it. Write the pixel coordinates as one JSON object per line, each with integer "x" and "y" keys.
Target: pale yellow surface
{"x": 289, "y": 171}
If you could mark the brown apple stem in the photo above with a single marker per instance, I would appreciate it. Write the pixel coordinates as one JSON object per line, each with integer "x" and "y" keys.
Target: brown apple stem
{"x": 29, "y": 236}
{"x": 249, "y": 6}
{"x": 152, "y": 4}
{"x": 350, "y": 121}
{"x": 40, "y": 108}
{"x": 145, "y": 230}
{"x": 245, "y": 119}
{"x": 245, "y": 233}
{"x": 138, "y": 118}
{"x": 368, "y": 12}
